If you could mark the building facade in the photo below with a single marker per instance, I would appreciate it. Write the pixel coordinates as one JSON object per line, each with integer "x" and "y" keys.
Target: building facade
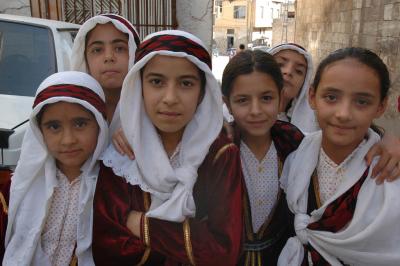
{"x": 247, "y": 22}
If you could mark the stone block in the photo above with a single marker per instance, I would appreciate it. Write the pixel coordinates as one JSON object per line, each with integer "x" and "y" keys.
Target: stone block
{"x": 389, "y": 29}
{"x": 370, "y": 28}
{"x": 356, "y": 15}
{"x": 387, "y": 12}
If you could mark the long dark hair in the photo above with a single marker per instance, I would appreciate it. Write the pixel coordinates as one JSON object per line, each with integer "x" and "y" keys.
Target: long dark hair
{"x": 364, "y": 56}
{"x": 247, "y": 62}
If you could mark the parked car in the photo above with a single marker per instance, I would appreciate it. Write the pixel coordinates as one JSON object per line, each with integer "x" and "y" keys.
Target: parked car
{"x": 30, "y": 50}
{"x": 261, "y": 47}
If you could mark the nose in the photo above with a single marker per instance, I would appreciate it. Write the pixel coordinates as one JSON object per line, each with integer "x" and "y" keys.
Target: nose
{"x": 170, "y": 96}
{"x": 68, "y": 137}
{"x": 344, "y": 111}
{"x": 255, "y": 107}
{"x": 287, "y": 69}
{"x": 109, "y": 55}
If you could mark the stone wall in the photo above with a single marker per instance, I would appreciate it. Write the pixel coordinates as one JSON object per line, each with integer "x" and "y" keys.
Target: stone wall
{"x": 324, "y": 26}
{"x": 196, "y": 18}
{"x": 15, "y": 7}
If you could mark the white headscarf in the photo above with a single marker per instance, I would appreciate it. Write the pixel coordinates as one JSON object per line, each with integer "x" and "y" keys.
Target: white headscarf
{"x": 300, "y": 111}
{"x": 371, "y": 237}
{"x": 78, "y": 61}
{"x": 170, "y": 189}
{"x": 34, "y": 179}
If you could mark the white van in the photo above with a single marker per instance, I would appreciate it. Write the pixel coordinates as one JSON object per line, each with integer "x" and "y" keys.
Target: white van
{"x": 31, "y": 49}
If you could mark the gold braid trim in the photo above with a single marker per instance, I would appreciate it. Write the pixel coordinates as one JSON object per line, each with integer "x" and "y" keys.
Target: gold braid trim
{"x": 146, "y": 230}
{"x": 222, "y": 150}
{"x": 74, "y": 261}
{"x": 4, "y": 203}
{"x": 316, "y": 188}
{"x": 188, "y": 242}
{"x": 146, "y": 255}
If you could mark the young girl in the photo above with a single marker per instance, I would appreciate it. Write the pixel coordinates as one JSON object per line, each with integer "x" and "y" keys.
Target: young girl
{"x": 341, "y": 216}
{"x": 297, "y": 70}
{"x": 251, "y": 85}
{"x": 179, "y": 201}
{"x": 52, "y": 189}
{"x": 105, "y": 48}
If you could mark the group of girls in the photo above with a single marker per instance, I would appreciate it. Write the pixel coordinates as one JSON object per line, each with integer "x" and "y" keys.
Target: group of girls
{"x": 189, "y": 195}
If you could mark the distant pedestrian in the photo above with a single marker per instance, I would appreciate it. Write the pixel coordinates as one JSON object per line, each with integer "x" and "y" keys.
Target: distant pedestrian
{"x": 241, "y": 48}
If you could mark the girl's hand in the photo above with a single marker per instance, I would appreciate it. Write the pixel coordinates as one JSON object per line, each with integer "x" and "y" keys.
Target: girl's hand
{"x": 133, "y": 222}
{"x": 388, "y": 166}
{"x": 121, "y": 144}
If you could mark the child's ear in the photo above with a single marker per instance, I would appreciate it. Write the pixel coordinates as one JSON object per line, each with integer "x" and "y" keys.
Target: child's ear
{"x": 311, "y": 97}
{"x": 382, "y": 107}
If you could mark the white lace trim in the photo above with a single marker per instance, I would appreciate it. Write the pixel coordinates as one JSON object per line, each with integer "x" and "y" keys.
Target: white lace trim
{"x": 127, "y": 169}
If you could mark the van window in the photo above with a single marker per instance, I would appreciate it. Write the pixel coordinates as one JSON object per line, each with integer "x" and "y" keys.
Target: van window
{"x": 27, "y": 57}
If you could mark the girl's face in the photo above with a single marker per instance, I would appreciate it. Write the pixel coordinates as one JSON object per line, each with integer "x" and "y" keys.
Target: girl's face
{"x": 70, "y": 133}
{"x": 171, "y": 93}
{"x": 294, "y": 69}
{"x": 254, "y": 102}
{"x": 107, "y": 56}
{"x": 346, "y": 102}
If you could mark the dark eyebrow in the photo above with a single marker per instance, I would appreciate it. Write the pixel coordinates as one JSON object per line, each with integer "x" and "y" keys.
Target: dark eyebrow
{"x": 98, "y": 42}
{"x": 365, "y": 94}
{"x": 152, "y": 74}
{"x": 119, "y": 40}
{"x": 46, "y": 123}
{"x": 189, "y": 77}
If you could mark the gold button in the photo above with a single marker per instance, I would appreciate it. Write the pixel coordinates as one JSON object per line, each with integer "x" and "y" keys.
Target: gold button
{"x": 260, "y": 202}
{"x": 260, "y": 168}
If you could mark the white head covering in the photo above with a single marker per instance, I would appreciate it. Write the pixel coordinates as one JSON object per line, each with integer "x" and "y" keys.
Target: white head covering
{"x": 35, "y": 176}
{"x": 170, "y": 189}
{"x": 300, "y": 112}
{"x": 78, "y": 60}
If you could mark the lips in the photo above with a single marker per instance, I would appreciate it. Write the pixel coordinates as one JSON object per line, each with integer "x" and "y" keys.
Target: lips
{"x": 110, "y": 72}
{"x": 70, "y": 152}
{"x": 169, "y": 113}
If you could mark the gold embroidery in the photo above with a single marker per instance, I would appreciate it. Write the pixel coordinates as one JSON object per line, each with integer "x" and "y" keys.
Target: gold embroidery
{"x": 316, "y": 188}
{"x": 146, "y": 231}
{"x": 222, "y": 150}
{"x": 146, "y": 255}
{"x": 259, "y": 258}
{"x": 74, "y": 261}
{"x": 188, "y": 242}
{"x": 4, "y": 203}
{"x": 146, "y": 200}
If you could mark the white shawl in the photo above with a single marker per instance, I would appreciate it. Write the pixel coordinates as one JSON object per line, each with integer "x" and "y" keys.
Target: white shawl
{"x": 170, "y": 189}
{"x": 372, "y": 236}
{"x": 302, "y": 116}
{"x": 78, "y": 61}
{"x": 34, "y": 180}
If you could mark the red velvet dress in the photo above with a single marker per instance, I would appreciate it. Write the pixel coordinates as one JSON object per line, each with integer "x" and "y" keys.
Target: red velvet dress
{"x": 4, "y": 200}
{"x": 212, "y": 237}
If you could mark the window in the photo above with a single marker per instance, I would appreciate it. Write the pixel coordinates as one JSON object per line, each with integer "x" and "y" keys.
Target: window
{"x": 239, "y": 12}
{"x": 262, "y": 11}
{"x": 27, "y": 57}
{"x": 230, "y": 31}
